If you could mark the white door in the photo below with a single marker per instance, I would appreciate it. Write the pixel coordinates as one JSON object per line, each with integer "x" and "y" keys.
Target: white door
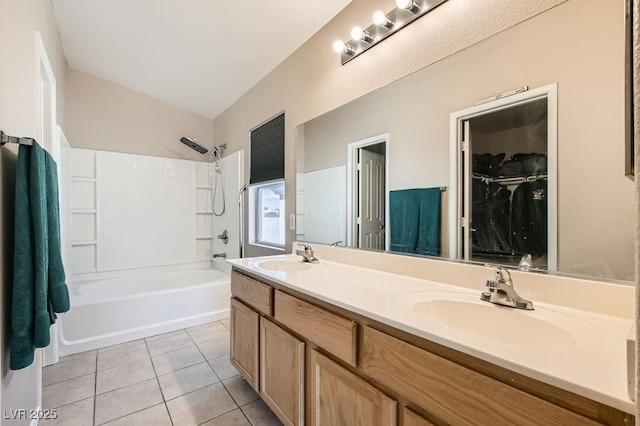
{"x": 371, "y": 200}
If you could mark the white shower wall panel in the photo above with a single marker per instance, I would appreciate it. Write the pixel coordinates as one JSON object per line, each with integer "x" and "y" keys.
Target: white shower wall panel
{"x": 83, "y": 195}
{"x": 325, "y": 205}
{"x": 146, "y": 211}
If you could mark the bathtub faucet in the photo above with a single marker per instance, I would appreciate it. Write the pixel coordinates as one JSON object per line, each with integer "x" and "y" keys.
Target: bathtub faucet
{"x": 222, "y": 255}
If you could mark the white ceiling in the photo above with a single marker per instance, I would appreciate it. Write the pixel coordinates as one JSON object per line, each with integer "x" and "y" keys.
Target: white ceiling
{"x": 201, "y": 55}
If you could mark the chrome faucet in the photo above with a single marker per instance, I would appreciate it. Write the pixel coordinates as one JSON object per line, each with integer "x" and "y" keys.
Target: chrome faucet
{"x": 217, "y": 255}
{"x": 501, "y": 291}
{"x": 307, "y": 254}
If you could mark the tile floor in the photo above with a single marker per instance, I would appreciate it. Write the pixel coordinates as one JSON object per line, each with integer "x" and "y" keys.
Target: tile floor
{"x": 179, "y": 378}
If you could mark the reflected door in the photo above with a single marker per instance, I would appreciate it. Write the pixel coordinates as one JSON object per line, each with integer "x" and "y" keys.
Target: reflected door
{"x": 506, "y": 184}
{"x": 371, "y": 197}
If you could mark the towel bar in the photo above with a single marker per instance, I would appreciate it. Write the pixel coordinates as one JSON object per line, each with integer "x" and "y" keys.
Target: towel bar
{"x": 5, "y": 138}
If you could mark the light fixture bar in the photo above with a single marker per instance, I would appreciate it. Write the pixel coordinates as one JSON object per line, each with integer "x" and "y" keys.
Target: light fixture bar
{"x": 396, "y": 19}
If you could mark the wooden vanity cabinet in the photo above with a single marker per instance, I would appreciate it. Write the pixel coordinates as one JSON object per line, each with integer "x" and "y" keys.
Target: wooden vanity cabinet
{"x": 244, "y": 324}
{"x": 451, "y": 392}
{"x": 339, "y": 397}
{"x": 361, "y": 372}
{"x": 282, "y": 373}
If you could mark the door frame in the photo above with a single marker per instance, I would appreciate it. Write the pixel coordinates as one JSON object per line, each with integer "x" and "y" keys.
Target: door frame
{"x": 456, "y": 121}
{"x": 46, "y": 130}
{"x": 352, "y": 182}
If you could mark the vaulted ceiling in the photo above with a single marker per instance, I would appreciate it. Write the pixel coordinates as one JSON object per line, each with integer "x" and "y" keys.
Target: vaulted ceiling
{"x": 201, "y": 55}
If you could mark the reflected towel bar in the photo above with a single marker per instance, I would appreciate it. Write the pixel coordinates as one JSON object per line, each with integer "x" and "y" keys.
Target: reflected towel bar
{"x": 5, "y": 138}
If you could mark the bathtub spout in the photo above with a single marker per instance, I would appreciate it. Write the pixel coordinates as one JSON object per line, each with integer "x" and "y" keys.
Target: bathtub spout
{"x": 222, "y": 255}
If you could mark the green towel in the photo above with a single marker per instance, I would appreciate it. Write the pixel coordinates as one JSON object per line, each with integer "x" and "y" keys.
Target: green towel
{"x": 39, "y": 288}
{"x": 415, "y": 221}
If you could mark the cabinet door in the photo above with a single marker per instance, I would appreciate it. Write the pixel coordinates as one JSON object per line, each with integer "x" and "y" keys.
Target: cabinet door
{"x": 282, "y": 373}
{"x": 244, "y": 324}
{"x": 339, "y": 397}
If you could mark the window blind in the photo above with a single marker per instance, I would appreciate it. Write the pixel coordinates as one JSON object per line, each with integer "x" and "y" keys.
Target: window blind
{"x": 267, "y": 151}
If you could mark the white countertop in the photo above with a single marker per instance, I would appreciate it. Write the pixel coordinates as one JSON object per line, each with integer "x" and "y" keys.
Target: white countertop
{"x": 585, "y": 353}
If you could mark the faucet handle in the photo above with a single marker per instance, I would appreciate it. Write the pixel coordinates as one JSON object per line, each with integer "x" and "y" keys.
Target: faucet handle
{"x": 307, "y": 249}
{"x": 500, "y": 275}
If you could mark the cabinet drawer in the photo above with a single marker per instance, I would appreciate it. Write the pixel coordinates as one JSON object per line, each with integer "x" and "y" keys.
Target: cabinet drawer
{"x": 451, "y": 392}
{"x": 252, "y": 292}
{"x": 327, "y": 330}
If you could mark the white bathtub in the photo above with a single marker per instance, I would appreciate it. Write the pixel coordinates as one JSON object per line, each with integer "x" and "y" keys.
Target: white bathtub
{"x": 110, "y": 310}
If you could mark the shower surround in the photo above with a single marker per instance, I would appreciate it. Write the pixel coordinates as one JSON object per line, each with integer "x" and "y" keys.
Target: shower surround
{"x": 132, "y": 220}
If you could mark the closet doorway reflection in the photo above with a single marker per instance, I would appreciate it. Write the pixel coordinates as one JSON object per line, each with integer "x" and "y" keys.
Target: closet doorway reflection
{"x": 504, "y": 178}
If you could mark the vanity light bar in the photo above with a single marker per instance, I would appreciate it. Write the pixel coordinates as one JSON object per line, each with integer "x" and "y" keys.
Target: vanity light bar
{"x": 405, "y": 13}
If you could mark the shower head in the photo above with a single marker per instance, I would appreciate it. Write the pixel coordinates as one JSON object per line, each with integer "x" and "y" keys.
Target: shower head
{"x": 191, "y": 143}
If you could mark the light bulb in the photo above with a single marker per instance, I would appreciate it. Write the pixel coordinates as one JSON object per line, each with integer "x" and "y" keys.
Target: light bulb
{"x": 410, "y": 5}
{"x": 357, "y": 33}
{"x": 379, "y": 18}
{"x": 338, "y": 46}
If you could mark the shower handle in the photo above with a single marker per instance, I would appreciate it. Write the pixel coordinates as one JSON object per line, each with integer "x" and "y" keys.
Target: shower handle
{"x": 224, "y": 237}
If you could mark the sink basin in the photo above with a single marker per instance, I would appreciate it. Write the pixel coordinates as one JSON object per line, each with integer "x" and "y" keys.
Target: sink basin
{"x": 284, "y": 265}
{"x": 466, "y": 314}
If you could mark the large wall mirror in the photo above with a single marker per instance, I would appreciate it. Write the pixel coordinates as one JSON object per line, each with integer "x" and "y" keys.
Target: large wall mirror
{"x": 534, "y": 179}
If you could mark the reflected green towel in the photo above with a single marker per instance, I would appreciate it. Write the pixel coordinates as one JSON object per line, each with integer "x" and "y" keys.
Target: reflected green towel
{"x": 429, "y": 230}
{"x": 39, "y": 288}
{"x": 415, "y": 221}
{"x": 404, "y": 211}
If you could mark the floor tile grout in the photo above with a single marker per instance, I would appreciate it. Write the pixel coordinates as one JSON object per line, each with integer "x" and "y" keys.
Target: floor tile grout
{"x": 164, "y": 400}
{"x": 218, "y": 416}
{"x": 184, "y": 368}
{"x": 67, "y": 380}
{"x": 134, "y": 412}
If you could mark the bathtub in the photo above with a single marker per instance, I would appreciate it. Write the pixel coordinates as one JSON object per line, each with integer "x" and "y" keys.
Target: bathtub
{"x": 115, "y": 309}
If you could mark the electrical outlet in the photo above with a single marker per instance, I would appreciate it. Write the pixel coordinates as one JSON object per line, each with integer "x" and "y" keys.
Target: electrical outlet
{"x": 292, "y": 221}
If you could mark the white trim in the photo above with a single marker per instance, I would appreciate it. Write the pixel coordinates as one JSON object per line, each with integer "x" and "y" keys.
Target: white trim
{"x": 42, "y": 63}
{"x": 254, "y": 215}
{"x": 351, "y": 169}
{"x": 45, "y": 91}
{"x": 550, "y": 92}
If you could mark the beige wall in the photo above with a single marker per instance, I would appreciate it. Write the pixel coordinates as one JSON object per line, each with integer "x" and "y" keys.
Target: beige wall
{"x": 311, "y": 81}
{"x": 18, "y": 21}
{"x": 108, "y": 117}
{"x": 560, "y": 46}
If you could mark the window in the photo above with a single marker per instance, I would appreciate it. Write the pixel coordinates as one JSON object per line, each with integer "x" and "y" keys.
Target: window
{"x": 266, "y": 190}
{"x": 270, "y": 214}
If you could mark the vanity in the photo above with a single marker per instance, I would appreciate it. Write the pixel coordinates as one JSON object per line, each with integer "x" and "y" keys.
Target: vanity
{"x": 347, "y": 343}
